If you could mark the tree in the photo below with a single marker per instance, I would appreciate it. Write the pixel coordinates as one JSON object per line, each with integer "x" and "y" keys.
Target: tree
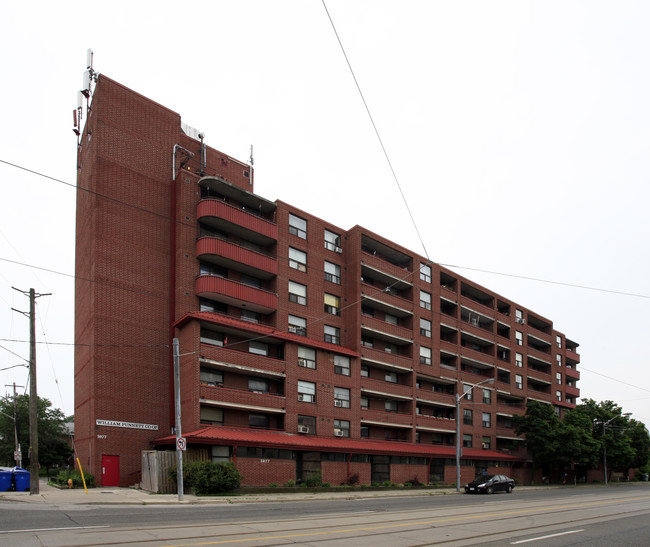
{"x": 577, "y": 444}
{"x": 53, "y": 444}
{"x": 541, "y": 426}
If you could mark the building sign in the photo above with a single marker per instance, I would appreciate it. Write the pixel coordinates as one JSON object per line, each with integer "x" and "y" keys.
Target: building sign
{"x": 129, "y": 425}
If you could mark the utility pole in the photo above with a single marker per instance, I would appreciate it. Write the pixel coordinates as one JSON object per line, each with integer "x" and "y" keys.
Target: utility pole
{"x": 180, "y": 442}
{"x": 33, "y": 396}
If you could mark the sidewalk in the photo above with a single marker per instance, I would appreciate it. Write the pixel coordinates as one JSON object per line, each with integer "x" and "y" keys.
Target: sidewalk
{"x": 132, "y": 496}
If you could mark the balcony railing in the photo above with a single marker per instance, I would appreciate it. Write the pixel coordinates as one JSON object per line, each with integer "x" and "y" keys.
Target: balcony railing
{"x": 247, "y": 219}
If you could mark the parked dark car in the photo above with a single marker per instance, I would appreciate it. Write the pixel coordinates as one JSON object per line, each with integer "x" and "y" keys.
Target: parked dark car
{"x": 489, "y": 484}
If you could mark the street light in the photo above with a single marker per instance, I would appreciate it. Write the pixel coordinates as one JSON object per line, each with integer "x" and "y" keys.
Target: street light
{"x": 605, "y": 442}
{"x": 458, "y": 398}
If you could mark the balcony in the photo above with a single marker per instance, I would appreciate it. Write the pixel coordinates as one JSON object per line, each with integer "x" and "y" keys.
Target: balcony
{"x": 431, "y": 423}
{"x": 386, "y": 390}
{"x": 572, "y": 391}
{"x": 477, "y": 296}
{"x": 237, "y": 221}
{"x": 377, "y": 358}
{"x": 231, "y": 256}
{"x": 385, "y": 302}
{"x": 386, "y": 419}
{"x": 572, "y": 356}
{"x": 477, "y": 320}
{"x": 236, "y": 294}
{"x": 571, "y": 372}
{"x": 387, "y": 332}
{"x": 242, "y": 400}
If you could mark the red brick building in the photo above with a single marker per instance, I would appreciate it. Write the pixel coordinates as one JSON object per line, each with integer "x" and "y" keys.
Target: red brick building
{"x": 305, "y": 347}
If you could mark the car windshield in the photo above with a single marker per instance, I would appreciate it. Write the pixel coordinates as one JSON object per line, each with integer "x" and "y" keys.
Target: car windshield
{"x": 483, "y": 478}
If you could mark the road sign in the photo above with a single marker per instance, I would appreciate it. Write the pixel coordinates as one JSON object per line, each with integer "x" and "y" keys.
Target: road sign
{"x": 17, "y": 455}
{"x": 181, "y": 443}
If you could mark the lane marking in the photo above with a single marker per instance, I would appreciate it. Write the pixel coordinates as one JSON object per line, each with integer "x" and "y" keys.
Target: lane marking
{"x": 52, "y": 529}
{"x": 546, "y": 537}
{"x": 405, "y": 524}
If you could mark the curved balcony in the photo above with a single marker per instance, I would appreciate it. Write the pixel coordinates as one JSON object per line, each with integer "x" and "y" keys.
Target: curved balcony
{"x": 236, "y": 294}
{"x": 236, "y": 257}
{"x": 235, "y": 220}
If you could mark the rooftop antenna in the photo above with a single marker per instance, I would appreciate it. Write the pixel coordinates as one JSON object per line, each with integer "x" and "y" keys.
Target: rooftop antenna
{"x": 89, "y": 78}
{"x": 251, "y": 160}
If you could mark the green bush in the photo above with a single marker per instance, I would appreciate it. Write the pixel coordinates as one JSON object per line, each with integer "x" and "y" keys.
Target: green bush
{"x": 313, "y": 480}
{"x": 290, "y": 483}
{"x": 208, "y": 477}
{"x": 62, "y": 479}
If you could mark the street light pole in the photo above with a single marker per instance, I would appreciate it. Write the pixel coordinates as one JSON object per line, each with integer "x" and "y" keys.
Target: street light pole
{"x": 605, "y": 443}
{"x": 458, "y": 398}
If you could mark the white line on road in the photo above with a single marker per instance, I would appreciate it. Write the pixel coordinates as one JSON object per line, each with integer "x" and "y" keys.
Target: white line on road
{"x": 51, "y": 529}
{"x": 546, "y": 537}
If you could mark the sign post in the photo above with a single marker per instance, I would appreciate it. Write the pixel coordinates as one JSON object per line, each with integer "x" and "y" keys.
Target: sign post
{"x": 180, "y": 441}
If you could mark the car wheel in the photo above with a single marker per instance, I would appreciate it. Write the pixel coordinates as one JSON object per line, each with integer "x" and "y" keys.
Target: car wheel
{"x": 489, "y": 490}
{"x": 509, "y": 489}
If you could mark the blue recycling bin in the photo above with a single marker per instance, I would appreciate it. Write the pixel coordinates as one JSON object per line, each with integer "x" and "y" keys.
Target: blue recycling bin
{"x": 6, "y": 479}
{"x": 21, "y": 479}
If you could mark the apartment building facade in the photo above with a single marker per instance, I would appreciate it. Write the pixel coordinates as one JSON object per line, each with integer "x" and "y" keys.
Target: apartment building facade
{"x": 305, "y": 348}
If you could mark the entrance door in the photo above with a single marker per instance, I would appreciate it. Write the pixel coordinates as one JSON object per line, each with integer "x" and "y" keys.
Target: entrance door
{"x": 110, "y": 470}
{"x": 380, "y": 469}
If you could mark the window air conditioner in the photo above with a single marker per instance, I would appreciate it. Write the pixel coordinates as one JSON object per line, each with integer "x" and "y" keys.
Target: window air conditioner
{"x": 484, "y": 446}
{"x": 338, "y": 433}
{"x": 338, "y": 403}
{"x": 338, "y": 250}
{"x": 303, "y": 429}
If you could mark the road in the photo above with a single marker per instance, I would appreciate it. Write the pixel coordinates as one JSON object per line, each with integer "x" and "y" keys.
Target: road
{"x": 584, "y": 516}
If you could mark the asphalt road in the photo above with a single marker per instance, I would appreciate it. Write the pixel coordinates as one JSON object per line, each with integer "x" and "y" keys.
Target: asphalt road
{"x": 590, "y": 516}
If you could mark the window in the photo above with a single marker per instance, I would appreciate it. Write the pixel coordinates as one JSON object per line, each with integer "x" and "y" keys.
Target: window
{"x": 306, "y": 391}
{"x": 425, "y": 273}
{"x": 220, "y": 454}
{"x": 486, "y": 419}
{"x": 342, "y": 426}
{"x": 558, "y": 377}
{"x": 341, "y": 365}
{"x": 391, "y": 319}
{"x": 342, "y": 397}
{"x": 211, "y": 337}
{"x": 558, "y": 341}
{"x": 391, "y": 377}
{"x": 467, "y": 389}
{"x": 558, "y": 395}
{"x": 297, "y": 293}
{"x": 364, "y": 432}
{"x": 365, "y": 371}
{"x": 297, "y": 325}
{"x": 390, "y": 348}
{"x": 519, "y": 381}
{"x": 251, "y": 316}
{"x": 210, "y": 377}
{"x": 367, "y": 342}
{"x": 332, "y": 304}
{"x": 519, "y": 360}
{"x": 258, "y": 385}
{"x": 467, "y": 441}
{"x": 468, "y": 416}
{"x": 211, "y": 415}
{"x": 206, "y": 268}
{"x": 307, "y": 424}
{"x": 297, "y": 226}
{"x": 425, "y": 327}
{"x": 425, "y": 300}
{"x": 487, "y": 396}
{"x": 258, "y": 348}
{"x": 306, "y": 357}
{"x": 425, "y": 355}
{"x": 212, "y": 306}
{"x": 520, "y": 338}
{"x": 519, "y": 317}
{"x": 390, "y": 406}
{"x": 365, "y": 402}
{"x": 332, "y": 241}
{"x": 558, "y": 359}
{"x": 259, "y": 421}
{"x": 297, "y": 259}
{"x": 367, "y": 311}
{"x": 486, "y": 442}
{"x": 332, "y": 273}
{"x": 251, "y": 281}
{"x": 332, "y": 334}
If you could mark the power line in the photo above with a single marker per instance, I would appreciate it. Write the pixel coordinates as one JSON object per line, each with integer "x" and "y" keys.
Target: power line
{"x": 374, "y": 126}
{"x": 614, "y": 379}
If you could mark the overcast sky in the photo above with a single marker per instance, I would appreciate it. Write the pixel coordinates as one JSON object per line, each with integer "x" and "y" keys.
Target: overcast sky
{"x": 519, "y": 132}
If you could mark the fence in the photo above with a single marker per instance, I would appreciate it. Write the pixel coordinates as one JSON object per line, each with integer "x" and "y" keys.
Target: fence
{"x": 155, "y": 464}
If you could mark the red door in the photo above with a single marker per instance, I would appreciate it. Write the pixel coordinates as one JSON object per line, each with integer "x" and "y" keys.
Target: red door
{"x": 110, "y": 470}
